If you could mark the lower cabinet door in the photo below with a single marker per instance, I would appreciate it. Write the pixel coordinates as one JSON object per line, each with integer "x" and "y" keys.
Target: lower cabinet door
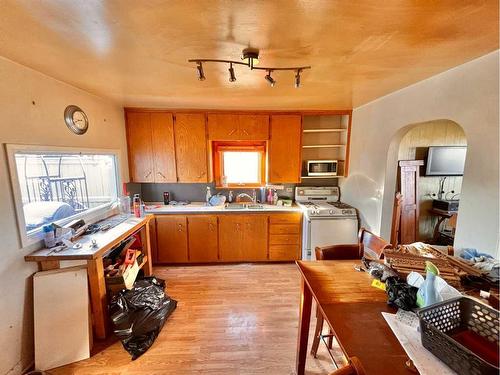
{"x": 231, "y": 239}
{"x": 255, "y": 238}
{"x": 284, "y": 252}
{"x": 203, "y": 238}
{"x": 171, "y": 239}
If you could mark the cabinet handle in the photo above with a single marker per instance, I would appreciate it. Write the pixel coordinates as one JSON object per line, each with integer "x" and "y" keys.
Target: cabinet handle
{"x": 179, "y": 227}
{"x": 232, "y": 132}
{"x": 245, "y": 131}
{"x": 162, "y": 175}
{"x": 148, "y": 174}
{"x": 210, "y": 226}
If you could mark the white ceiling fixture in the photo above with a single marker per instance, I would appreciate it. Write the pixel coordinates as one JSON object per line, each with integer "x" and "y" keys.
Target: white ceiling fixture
{"x": 249, "y": 58}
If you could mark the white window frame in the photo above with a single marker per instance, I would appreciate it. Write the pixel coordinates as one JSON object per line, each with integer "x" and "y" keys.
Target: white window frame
{"x": 90, "y": 215}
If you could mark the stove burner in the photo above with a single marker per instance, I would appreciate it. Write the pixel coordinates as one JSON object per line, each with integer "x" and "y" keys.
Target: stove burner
{"x": 339, "y": 205}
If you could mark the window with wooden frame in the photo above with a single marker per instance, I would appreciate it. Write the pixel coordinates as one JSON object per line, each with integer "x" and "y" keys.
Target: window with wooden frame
{"x": 239, "y": 164}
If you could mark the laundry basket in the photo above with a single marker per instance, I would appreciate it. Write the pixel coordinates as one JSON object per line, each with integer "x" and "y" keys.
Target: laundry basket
{"x": 463, "y": 333}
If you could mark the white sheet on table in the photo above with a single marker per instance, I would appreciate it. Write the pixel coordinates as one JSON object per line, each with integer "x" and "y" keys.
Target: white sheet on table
{"x": 409, "y": 338}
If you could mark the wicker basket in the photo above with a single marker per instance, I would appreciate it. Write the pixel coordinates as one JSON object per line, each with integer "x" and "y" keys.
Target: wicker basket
{"x": 441, "y": 325}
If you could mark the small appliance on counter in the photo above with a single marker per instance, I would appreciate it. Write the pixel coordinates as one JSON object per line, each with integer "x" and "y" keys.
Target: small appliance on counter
{"x": 327, "y": 221}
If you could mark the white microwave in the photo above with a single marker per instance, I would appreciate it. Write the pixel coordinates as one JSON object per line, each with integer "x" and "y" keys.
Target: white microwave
{"x": 322, "y": 167}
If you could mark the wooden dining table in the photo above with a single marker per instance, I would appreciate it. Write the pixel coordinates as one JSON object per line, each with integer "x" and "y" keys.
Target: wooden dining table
{"x": 352, "y": 308}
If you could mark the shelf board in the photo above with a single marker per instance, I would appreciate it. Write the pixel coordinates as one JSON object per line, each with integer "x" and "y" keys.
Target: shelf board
{"x": 322, "y": 146}
{"x": 319, "y": 130}
{"x": 322, "y": 177}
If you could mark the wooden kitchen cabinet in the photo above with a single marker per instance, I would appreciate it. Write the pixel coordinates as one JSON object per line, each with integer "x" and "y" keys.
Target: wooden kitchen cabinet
{"x": 162, "y": 131}
{"x": 172, "y": 239}
{"x": 150, "y": 139}
{"x": 233, "y": 127}
{"x": 253, "y": 127}
{"x": 203, "y": 238}
{"x": 222, "y": 127}
{"x": 285, "y": 236}
{"x": 191, "y": 147}
{"x": 255, "y": 237}
{"x": 231, "y": 238}
{"x": 243, "y": 238}
{"x": 140, "y": 147}
{"x": 285, "y": 149}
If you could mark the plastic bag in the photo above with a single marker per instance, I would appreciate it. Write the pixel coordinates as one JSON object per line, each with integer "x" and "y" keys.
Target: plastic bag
{"x": 400, "y": 293}
{"x": 138, "y": 314}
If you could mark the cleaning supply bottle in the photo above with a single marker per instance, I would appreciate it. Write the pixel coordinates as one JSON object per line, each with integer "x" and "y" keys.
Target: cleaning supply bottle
{"x": 137, "y": 205}
{"x": 427, "y": 294}
{"x": 208, "y": 195}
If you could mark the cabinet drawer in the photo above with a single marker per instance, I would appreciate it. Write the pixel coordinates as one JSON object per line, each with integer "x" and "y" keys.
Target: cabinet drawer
{"x": 284, "y": 229}
{"x": 284, "y": 239}
{"x": 284, "y": 252}
{"x": 294, "y": 218}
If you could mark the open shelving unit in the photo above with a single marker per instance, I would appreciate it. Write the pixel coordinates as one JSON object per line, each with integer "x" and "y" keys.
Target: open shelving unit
{"x": 326, "y": 137}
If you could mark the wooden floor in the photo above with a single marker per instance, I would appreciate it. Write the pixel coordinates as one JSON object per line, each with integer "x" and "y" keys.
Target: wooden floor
{"x": 230, "y": 319}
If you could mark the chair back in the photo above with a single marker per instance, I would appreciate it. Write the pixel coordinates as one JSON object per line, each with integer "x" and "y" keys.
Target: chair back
{"x": 373, "y": 245}
{"x": 353, "y": 368}
{"x": 396, "y": 219}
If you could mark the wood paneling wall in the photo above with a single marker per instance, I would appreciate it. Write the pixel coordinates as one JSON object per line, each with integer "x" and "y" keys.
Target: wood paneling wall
{"x": 413, "y": 146}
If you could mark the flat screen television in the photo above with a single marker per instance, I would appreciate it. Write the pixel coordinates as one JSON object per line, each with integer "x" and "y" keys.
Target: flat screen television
{"x": 445, "y": 161}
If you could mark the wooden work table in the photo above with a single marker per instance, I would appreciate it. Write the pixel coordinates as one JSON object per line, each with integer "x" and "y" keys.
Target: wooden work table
{"x": 352, "y": 308}
{"x": 105, "y": 241}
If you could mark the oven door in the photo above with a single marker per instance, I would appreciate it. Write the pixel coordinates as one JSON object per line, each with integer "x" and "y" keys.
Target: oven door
{"x": 328, "y": 231}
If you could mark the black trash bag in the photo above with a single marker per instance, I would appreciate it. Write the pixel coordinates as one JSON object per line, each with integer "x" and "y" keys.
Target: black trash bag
{"x": 401, "y": 293}
{"x": 138, "y": 314}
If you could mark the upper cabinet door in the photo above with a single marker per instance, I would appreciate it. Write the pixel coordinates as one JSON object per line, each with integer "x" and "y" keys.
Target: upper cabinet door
{"x": 253, "y": 127}
{"x": 191, "y": 147}
{"x": 285, "y": 148}
{"x": 162, "y": 126}
{"x": 140, "y": 147}
{"x": 223, "y": 127}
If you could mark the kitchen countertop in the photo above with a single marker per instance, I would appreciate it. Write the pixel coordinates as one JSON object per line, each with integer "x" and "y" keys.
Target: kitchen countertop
{"x": 201, "y": 208}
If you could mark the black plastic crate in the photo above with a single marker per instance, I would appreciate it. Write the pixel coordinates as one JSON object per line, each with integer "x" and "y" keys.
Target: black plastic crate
{"x": 440, "y": 322}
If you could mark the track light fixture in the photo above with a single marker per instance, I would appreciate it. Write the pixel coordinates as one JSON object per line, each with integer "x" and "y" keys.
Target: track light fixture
{"x": 297, "y": 79}
{"x": 249, "y": 58}
{"x": 232, "y": 77}
{"x": 270, "y": 79}
{"x": 201, "y": 75}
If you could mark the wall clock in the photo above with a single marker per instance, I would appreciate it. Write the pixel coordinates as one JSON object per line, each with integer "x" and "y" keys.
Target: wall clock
{"x": 76, "y": 120}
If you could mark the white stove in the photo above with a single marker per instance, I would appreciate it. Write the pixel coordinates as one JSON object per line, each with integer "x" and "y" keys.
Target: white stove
{"x": 327, "y": 221}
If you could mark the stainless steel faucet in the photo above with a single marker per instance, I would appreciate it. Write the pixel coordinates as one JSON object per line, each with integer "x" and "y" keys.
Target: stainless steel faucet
{"x": 244, "y": 197}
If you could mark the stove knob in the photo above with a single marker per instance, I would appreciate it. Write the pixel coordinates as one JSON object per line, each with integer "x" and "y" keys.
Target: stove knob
{"x": 346, "y": 212}
{"x": 330, "y": 212}
{"x": 317, "y": 212}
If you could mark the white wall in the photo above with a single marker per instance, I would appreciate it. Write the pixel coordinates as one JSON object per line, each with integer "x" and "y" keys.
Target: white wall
{"x": 468, "y": 95}
{"x": 41, "y": 123}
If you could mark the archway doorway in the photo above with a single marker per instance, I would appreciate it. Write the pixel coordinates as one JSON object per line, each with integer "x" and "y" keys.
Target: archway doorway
{"x": 441, "y": 146}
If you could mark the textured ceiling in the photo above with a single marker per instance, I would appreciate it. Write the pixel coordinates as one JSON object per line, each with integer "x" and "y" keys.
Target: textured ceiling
{"x": 136, "y": 52}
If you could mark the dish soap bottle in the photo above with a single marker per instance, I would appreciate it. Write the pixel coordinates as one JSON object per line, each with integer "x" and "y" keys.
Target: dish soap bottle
{"x": 427, "y": 294}
{"x": 208, "y": 195}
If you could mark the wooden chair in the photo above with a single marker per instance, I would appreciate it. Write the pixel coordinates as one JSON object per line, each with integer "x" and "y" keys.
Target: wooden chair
{"x": 369, "y": 245}
{"x": 353, "y": 368}
{"x": 396, "y": 219}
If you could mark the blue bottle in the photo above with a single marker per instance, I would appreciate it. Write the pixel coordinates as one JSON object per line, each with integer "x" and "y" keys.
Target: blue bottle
{"x": 427, "y": 294}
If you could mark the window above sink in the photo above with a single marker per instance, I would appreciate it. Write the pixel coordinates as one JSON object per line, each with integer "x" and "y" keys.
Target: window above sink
{"x": 239, "y": 164}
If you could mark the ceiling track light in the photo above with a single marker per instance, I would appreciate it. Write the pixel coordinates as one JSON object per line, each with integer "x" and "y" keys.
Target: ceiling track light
{"x": 249, "y": 58}
{"x": 201, "y": 75}
{"x": 232, "y": 77}
{"x": 297, "y": 78}
{"x": 270, "y": 79}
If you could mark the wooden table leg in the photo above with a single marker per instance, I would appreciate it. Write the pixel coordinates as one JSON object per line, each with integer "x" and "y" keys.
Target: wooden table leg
{"x": 97, "y": 286}
{"x": 304, "y": 321}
